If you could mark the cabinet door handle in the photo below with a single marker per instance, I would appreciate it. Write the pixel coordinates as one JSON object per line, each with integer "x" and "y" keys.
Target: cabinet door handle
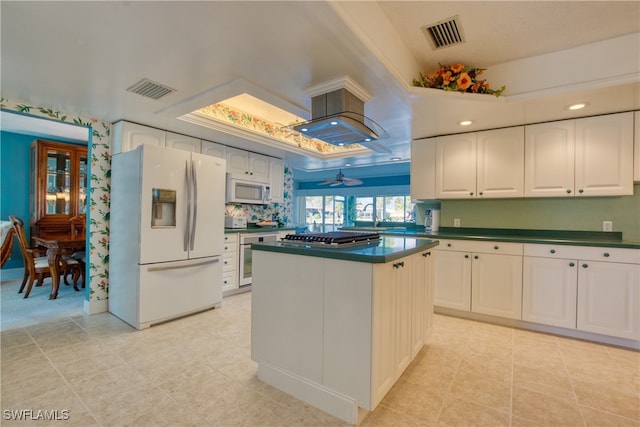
{"x": 606, "y": 254}
{"x": 448, "y": 245}
{"x": 426, "y": 254}
{"x": 471, "y": 193}
{"x": 466, "y": 256}
{"x": 568, "y": 191}
{"x": 553, "y": 251}
{"x": 480, "y": 193}
{"x": 585, "y": 265}
{"x": 398, "y": 264}
{"x": 496, "y": 247}
{"x": 581, "y": 191}
{"x": 475, "y": 257}
{"x": 572, "y": 264}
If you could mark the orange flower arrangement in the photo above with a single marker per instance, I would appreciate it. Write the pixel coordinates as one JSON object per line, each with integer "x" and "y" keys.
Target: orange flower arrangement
{"x": 458, "y": 78}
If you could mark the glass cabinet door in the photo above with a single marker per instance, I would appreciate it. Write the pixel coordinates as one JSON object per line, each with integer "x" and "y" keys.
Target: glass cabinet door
{"x": 58, "y": 182}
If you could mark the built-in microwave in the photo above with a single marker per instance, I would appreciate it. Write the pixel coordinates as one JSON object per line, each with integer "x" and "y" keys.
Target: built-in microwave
{"x": 244, "y": 191}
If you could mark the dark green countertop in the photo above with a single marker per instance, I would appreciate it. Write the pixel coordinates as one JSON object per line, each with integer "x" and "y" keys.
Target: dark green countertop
{"x": 258, "y": 230}
{"x": 390, "y": 248}
{"x": 559, "y": 237}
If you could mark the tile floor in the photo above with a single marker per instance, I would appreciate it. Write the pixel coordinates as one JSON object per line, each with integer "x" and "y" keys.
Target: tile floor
{"x": 197, "y": 371}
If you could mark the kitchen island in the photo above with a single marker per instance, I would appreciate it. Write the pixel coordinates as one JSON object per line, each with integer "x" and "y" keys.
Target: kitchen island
{"x": 337, "y": 327}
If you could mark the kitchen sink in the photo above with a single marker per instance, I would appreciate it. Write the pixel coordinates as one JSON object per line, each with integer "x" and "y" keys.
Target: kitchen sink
{"x": 383, "y": 228}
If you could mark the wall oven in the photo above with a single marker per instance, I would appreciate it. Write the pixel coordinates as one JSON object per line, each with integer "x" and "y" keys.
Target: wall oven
{"x": 245, "y": 253}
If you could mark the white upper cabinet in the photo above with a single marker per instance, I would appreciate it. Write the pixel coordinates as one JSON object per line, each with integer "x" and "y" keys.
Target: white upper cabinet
{"x": 212, "y": 149}
{"x": 500, "y": 163}
{"x": 456, "y": 166}
{"x": 276, "y": 172}
{"x": 584, "y": 157}
{"x": 549, "y": 159}
{"x": 488, "y": 164}
{"x": 252, "y": 166}
{"x": 128, "y": 136}
{"x": 182, "y": 142}
{"x": 636, "y": 147}
{"x": 604, "y": 155}
{"x": 423, "y": 169}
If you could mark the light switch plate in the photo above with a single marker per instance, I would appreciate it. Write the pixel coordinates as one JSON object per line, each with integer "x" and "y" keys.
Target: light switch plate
{"x": 607, "y": 225}
{"x": 456, "y": 222}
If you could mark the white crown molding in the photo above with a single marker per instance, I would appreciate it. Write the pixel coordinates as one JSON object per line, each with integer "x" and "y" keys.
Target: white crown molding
{"x": 344, "y": 82}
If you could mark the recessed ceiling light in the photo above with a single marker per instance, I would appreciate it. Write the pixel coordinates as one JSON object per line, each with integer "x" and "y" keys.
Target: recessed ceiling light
{"x": 334, "y": 123}
{"x": 395, "y": 159}
{"x": 578, "y": 106}
{"x": 465, "y": 122}
{"x": 304, "y": 129}
{"x": 341, "y": 144}
{"x": 367, "y": 139}
{"x": 347, "y": 164}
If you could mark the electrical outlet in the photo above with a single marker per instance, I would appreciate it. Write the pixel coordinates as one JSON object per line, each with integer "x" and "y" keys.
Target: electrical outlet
{"x": 456, "y": 222}
{"x": 607, "y": 225}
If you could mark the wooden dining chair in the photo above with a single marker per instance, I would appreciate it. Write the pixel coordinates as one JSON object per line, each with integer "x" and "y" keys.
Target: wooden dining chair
{"x": 36, "y": 265}
{"x": 7, "y": 245}
{"x": 78, "y": 226}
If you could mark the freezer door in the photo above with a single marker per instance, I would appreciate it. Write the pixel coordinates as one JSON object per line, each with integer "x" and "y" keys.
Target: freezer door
{"x": 174, "y": 289}
{"x": 163, "y": 169}
{"x": 207, "y": 234}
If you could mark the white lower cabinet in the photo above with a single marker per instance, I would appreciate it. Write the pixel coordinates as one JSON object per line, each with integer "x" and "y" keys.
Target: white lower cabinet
{"x": 230, "y": 262}
{"x": 496, "y": 285}
{"x": 549, "y": 289}
{"x": 481, "y": 277}
{"x": 591, "y": 289}
{"x": 608, "y": 299}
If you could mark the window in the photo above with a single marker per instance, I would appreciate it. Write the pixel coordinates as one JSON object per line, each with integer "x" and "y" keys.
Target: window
{"x": 329, "y": 213}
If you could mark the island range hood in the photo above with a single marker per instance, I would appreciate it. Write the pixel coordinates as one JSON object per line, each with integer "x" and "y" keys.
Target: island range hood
{"x": 338, "y": 118}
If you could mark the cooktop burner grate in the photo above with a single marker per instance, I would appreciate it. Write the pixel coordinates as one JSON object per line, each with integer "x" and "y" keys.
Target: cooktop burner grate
{"x": 333, "y": 239}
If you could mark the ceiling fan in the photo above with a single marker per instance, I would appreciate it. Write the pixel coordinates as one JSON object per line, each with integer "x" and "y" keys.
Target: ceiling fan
{"x": 341, "y": 179}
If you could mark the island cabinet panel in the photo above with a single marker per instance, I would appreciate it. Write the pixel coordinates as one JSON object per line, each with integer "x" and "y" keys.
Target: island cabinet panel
{"x": 347, "y": 336}
{"x": 290, "y": 336}
{"x": 636, "y": 146}
{"x": 338, "y": 334}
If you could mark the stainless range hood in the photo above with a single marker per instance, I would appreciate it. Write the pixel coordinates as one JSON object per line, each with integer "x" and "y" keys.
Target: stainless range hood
{"x": 338, "y": 119}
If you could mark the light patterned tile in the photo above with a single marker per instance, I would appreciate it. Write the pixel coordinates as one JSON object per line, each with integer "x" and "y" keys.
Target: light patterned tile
{"x": 415, "y": 401}
{"x": 543, "y": 382}
{"x": 608, "y": 399}
{"x": 476, "y": 387}
{"x": 458, "y": 412}
{"x": 385, "y": 417}
{"x": 597, "y": 418}
{"x": 545, "y": 410}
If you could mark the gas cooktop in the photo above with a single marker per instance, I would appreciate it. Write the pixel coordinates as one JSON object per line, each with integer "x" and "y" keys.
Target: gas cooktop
{"x": 333, "y": 239}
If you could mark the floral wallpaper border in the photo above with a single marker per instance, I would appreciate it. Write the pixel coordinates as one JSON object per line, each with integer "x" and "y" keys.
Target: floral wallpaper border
{"x": 99, "y": 190}
{"x": 223, "y": 112}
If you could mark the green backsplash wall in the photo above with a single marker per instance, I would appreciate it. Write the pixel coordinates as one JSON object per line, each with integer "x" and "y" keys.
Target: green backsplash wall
{"x": 576, "y": 213}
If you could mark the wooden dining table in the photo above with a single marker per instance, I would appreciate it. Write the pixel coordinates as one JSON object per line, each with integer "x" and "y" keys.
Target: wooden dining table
{"x": 56, "y": 246}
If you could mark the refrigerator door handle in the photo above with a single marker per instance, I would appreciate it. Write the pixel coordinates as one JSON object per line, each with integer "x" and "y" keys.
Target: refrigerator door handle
{"x": 194, "y": 185}
{"x": 175, "y": 267}
{"x": 188, "y": 190}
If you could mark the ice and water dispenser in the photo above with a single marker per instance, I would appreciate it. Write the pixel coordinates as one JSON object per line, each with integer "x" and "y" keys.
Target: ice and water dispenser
{"x": 163, "y": 208}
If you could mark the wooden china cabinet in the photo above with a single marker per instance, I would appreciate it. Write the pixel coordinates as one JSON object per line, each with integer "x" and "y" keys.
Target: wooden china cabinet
{"x": 58, "y": 186}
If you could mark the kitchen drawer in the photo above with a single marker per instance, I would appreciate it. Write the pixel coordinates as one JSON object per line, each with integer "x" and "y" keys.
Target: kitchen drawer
{"x": 230, "y": 261}
{"x": 588, "y": 253}
{"x": 231, "y": 237}
{"x": 503, "y": 248}
{"x": 229, "y": 280}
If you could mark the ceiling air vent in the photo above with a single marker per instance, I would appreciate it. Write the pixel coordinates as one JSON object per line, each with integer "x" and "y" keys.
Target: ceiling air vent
{"x": 445, "y": 33}
{"x": 150, "y": 89}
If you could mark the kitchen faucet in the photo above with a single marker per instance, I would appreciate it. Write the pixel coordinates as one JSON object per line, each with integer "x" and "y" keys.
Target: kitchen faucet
{"x": 373, "y": 213}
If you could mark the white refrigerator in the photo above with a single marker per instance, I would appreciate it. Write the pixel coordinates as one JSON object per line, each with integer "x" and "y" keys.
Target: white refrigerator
{"x": 166, "y": 234}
